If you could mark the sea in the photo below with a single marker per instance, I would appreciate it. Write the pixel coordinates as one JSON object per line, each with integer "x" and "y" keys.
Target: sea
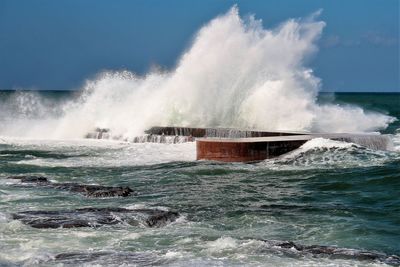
{"x": 326, "y": 193}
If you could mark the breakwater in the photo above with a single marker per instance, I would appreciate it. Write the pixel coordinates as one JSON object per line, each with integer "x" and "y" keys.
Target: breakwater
{"x": 232, "y": 145}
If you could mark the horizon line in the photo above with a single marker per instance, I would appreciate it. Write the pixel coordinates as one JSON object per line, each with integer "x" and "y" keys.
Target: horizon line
{"x": 76, "y": 90}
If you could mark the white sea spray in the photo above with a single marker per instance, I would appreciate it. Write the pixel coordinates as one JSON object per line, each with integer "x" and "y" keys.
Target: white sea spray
{"x": 235, "y": 74}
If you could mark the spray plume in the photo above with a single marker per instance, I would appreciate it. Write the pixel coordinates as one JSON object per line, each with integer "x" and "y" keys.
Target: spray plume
{"x": 235, "y": 74}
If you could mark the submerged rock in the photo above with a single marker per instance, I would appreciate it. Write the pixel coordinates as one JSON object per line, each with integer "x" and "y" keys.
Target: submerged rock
{"x": 84, "y": 189}
{"x": 30, "y": 179}
{"x": 290, "y": 247}
{"x": 95, "y": 217}
{"x": 94, "y": 190}
{"x": 102, "y": 258}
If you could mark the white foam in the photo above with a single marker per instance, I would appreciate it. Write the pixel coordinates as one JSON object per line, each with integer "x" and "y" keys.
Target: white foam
{"x": 131, "y": 236}
{"x": 102, "y": 153}
{"x": 222, "y": 243}
{"x": 83, "y": 234}
{"x": 326, "y": 153}
{"x": 136, "y": 206}
{"x": 396, "y": 140}
{"x": 324, "y": 143}
{"x": 173, "y": 254}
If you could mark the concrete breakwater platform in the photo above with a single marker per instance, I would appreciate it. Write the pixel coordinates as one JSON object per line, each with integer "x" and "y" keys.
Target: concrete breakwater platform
{"x": 235, "y": 145}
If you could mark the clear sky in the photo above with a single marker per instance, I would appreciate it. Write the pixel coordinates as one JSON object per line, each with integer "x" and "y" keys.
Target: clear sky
{"x": 48, "y": 44}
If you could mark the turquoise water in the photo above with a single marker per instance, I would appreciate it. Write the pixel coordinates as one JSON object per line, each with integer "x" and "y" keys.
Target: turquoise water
{"x": 325, "y": 193}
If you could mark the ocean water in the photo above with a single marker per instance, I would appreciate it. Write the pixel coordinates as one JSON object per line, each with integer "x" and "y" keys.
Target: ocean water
{"x": 324, "y": 193}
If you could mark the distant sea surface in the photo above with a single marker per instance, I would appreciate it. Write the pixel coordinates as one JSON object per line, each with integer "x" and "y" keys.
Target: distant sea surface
{"x": 325, "y": 193}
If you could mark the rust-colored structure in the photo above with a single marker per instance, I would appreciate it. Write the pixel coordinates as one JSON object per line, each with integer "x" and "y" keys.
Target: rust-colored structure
{"x": 247, "y": 149}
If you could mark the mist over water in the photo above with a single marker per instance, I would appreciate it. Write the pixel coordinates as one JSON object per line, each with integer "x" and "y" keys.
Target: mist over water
{"x": 235, "y": 74}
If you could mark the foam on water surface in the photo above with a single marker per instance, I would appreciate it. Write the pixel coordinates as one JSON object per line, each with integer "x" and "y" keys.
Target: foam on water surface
{"x": 93, "y": 153}
{"x": 396, "y": 140}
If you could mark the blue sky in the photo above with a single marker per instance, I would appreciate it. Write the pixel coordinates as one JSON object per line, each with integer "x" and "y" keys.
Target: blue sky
{"x": 47, "y": 44}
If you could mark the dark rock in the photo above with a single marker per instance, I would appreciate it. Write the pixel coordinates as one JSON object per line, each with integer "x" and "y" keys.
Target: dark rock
{"x": 290, "y": 247}
{"x": 84, "y": 189}
{"x": 157, "y": 219}
{"x": 107, "y": 258}
{"x": 79, "y": 256}
{"x": 94, "y": 190}
{"x": 95, "y": 217}
{"x": 30, "y": 179}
